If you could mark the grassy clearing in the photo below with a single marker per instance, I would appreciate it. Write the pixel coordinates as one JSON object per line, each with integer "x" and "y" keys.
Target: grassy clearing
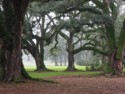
{"x": 55, "y": 68}
{"x": 30, "y": 68}
{"x": 58, "y": 71}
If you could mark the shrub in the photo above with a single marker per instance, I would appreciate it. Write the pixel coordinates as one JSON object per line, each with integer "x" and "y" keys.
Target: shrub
{"x": 82, "y": 63}
{"x": 95, "y": 67}
{"x": 88, "y": 68}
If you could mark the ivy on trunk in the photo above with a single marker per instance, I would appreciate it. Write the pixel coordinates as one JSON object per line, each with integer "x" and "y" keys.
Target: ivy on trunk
{"x": 14, "y": 12}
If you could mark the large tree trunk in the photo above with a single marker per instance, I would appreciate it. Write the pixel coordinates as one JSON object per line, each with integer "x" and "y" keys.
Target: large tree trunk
{"x": 70, "y": 49}
{"x": 71, "y": 66}
{"x": 120, "y": 51}
{"x": 12, "y": 48}
{"x": 12, "y": 56}
{"x": 116, "y": 67}
{"x": 111, "y": 41}
{"x": 2, "y": 70}
{"x": 116, "y": 55}
{"x": 2, "y": 66}
{"x": 40, "y": 66}
{"x": 40, "y": 56}
{"x": 114, "y": 58}
{"x": 2, "y": 29}
{"x": 114, "y": 63}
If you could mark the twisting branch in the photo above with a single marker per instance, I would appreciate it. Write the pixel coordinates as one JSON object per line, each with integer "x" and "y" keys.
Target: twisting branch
{"x": 90, "y": 48}
{"x": 55, "y": 46}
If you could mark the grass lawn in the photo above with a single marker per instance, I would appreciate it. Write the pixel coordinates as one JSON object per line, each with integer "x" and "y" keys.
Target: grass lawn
{"x": 55, "y": 68}
{"x": 58, "y": 71}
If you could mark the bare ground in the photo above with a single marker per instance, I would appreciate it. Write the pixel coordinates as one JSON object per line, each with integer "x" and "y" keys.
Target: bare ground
{"x": 68, "y": 85}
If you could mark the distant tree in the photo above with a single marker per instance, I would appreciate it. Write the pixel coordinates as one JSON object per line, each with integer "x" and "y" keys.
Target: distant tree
{"x": 38, "y": 33}
{"x": 115, "y": 46}
{"x": 106, "y": 13}
{"x": 58, "y": 54}
{"x": 34, "y": 43}
{"x": 74, "y": 29}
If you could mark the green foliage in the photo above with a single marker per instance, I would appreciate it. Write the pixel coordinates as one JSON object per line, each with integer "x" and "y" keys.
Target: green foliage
{"x": 100, "y": 67}
{"x": 96, "y": 67}
{"x": 119, "y": 52}
{"x": 121, "y": 43}
{"x": 111, "y": 36}
{"x": 108, "y": 69}
{"x": 88, "y": 68}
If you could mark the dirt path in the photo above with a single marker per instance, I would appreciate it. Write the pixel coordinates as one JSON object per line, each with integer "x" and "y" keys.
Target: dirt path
{"x": 68, "y": 85}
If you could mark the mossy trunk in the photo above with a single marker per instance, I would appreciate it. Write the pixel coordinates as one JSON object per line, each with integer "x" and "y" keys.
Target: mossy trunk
{"x": 2, "y": 71}
{"x": 39, "y": 63}
{"x": 12, "y": 56}
{"x": 39, "y": 58}
{"x": 71, "y": 66}
{"x": 121, "y": 43}
{"x": 110, "y": 36}
{"x": 111, "y": 44}
{"x": 70, "y": 49}
{"x": 121, "y": 50}
{"x": 2, "y": 66}
{"x": 14, "y": 12}
{"x": 23, "y": 72}
{"x": 116, "y": 54}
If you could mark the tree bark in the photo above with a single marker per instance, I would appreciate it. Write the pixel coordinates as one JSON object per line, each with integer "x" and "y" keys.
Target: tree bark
{"x": 40, "y": 54}
{"x": 71, "y": 66}
{"x": 70, "y": 49}
{"x": 2, "y": 66}
{"x": 12, "y": 49}
{"x": 114, "y": 63}
{"x": 40, "y": 63}
{"x": 34, "y": 51}
{"x": 120, "y": 52}
{"x": 116, "y": 54}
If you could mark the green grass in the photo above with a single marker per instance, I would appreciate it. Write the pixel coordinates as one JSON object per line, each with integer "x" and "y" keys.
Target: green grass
{"x": 30, "y": 68}
{"x": 58, "y": 71}
{"x": 55, "y": 68}
{"x": 61, "y": 73}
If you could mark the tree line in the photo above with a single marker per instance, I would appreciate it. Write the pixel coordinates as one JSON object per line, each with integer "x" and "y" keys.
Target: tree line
{"x": 83, "y": 24}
